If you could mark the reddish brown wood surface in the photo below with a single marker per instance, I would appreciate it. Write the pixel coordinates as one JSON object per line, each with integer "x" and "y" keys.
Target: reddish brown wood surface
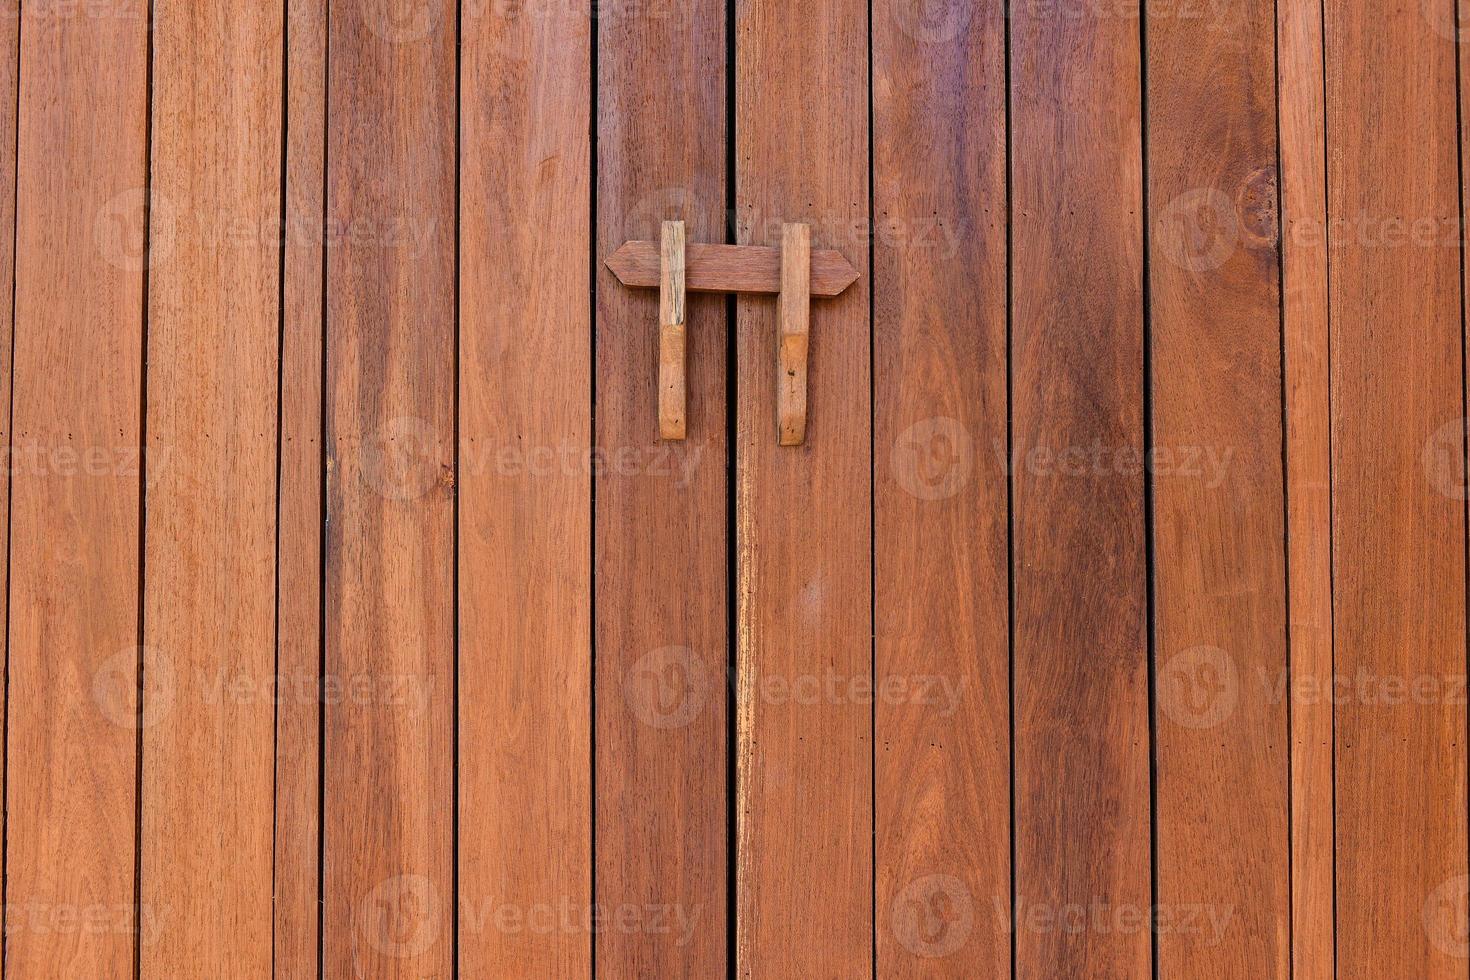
{"x": 390, "y": 404}
{"x": 942, "y": 791}
{"x": 1221, "y": 738}
{"x": 9, "y": 82}
{"x": 1082, "y": 802}
{"x": 71, "y": 740}
{"x": 1398, "y": 490}
{"x": 525, "y": 389}
{"x": 661, "y": 628}
{"x": 1308, "y": 481}
{"x": 209, "y": 601}
{"x": 804, "y": 850}
{"x": 299, "y": 505}
{"x": 435, "y": 634}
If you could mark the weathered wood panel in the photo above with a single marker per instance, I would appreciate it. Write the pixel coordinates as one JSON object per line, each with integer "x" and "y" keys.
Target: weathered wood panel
{"x": 525, "y": 545}
{"x": 803, "y": 514}
{"x": 76, "y": 470}
{"x": 942, "y": 794}
{"x": 390, "y": 404}
{"x": 1308, "y": 481}
{"x": 1398, "y": 489}
{"x": 1081, "y": 667}
{"x": 1221, "y": 737}
{"x": 299, "y": 508}
{"x": 209, "y": 594}
{"x": 661, "y": 623}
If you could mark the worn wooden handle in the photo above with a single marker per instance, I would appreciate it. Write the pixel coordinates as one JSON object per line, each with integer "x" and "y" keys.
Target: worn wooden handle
{"x": 795, "y": 324}
{"x": 672, "y": 378}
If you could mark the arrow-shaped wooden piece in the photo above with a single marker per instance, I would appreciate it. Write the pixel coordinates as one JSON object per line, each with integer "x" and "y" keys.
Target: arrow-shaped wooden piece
{"x": 729, "y": 268}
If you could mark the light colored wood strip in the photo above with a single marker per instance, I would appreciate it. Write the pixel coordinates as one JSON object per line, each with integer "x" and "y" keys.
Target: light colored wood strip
{"x": 1220, "y": 728}
{"x": 672, "y": 370}
{"x": 793, "y": 329}
{"x": 730, "y": 268}
{"x": 943, "y": 775}
{"x": 661, "y": 629}
{"x": 804, "y": 857}
{"x": 1080, "y": 556}
{"x": 209, "y": 601}
{"x": 390, "y": 404}
{"x": 1398, "y": 490}
{"x": 76, "y": 467}
{"x": 1308, "y": 481}
{"x": 525, "y": 517}
{"x": 298, "y": 713}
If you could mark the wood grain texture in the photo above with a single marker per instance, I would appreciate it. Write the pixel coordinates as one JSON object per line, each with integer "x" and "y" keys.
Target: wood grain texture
{"x": 1081, "y": 667}
{"x": 793, "y": 325}
{"x": 1398, "y": 489}
{"x": 9, "y": 83}
{"x": 390, "y": 406}
{"x": 661, "y": 625}
{"x": 803, "y": 515}
{"x": 210, "y": 508}
{"x": 1221, "y": 739}
{"x": 673, "y": 384}
{"x": 75, "y": 456}
{"x": 299, "y": 508}
{"x": 942, "y": 791}
{"x": 713, "y": 268}
{"x": 1308, "y": 480}
{"x": 525, "y": 777}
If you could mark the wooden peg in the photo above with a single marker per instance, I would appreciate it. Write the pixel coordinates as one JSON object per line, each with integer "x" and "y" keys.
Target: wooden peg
{"x": 672, "y": 378}
{"x": 795, "y": 324}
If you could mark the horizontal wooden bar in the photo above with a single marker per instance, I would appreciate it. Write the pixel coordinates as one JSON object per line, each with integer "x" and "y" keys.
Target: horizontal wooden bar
{"x": 729, "y": 268}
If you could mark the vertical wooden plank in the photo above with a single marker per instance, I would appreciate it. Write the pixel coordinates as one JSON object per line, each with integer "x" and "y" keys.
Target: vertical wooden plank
{"x": 1223, "y": 845}
{"x": 1081, "y": 666}
{"x": 76, "y": 440}
{"x": 1398, "y": 488}
{"x": 805, "y": 722}
{"x": 298, "y": 592}
{"x": 942, "y": 791}
{"x": 525, "y": 510}
{"x": 661, "y": 624}
{"x": 391, "y": 162}
{"x": 210, "y": 521}
{"x": 1308, "y": 480}
{"x": 9, "y": 87}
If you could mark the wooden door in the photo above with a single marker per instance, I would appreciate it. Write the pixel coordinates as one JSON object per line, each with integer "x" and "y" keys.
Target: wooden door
{"x": 1107, "y": 621}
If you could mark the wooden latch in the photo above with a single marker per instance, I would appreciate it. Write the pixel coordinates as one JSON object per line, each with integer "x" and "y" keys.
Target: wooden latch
{"x": 795, "y": 271}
